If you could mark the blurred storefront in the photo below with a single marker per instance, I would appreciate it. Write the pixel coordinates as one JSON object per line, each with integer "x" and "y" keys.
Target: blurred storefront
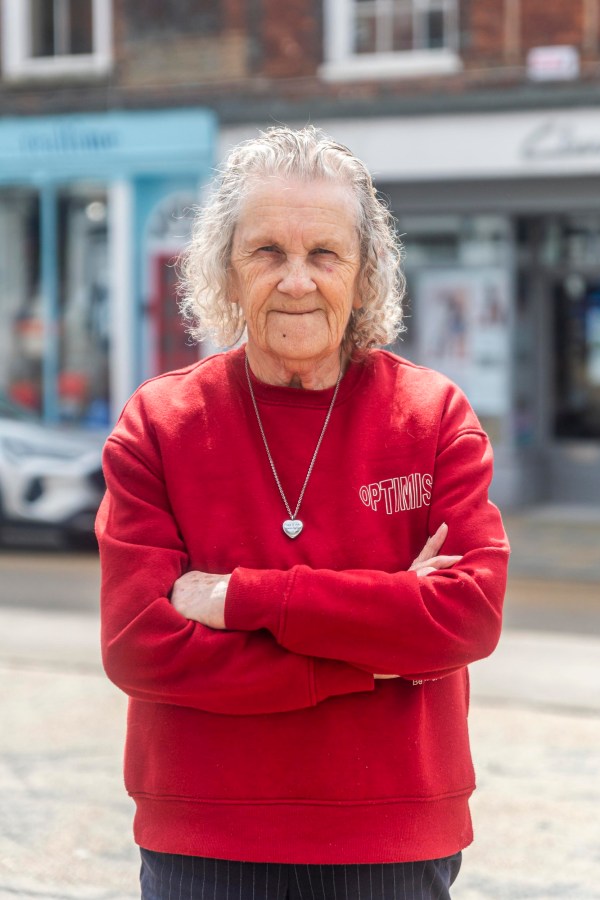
{"x": 500, "y": 217}
{"x": 93, "y": 210}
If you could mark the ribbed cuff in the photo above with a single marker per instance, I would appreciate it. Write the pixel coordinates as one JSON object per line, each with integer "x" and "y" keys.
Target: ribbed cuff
{"x": 255, "y": 599}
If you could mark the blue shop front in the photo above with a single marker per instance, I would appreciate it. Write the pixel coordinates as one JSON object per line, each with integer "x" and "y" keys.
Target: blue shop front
{"x": 94, "y": 210}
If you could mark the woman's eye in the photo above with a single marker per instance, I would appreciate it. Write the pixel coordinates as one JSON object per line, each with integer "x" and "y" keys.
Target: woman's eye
{"x": 322, "y": 250}
{"x": 269, "y": 248}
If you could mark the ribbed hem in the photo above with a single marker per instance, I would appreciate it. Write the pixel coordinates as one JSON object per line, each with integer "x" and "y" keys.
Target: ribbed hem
{"x": 311, "y": 833}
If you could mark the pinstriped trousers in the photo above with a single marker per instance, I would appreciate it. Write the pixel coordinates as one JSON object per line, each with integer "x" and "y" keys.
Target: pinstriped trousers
{"x": 167, "y": 876}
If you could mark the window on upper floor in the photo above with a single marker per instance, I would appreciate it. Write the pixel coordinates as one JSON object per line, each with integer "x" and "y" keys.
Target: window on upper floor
{"x": 386, "y": 38}
{"x": 44, "y": 38}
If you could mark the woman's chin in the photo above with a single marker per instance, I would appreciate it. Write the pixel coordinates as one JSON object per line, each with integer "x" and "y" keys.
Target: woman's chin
{"x": 290, "y": 353}
{"x": 300, "y": 342}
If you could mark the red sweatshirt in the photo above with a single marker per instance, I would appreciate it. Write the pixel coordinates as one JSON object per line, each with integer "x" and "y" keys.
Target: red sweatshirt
{"x": 271, "y": 740}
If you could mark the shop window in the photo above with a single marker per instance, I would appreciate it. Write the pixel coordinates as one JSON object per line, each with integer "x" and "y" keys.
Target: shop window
{"x": 459, "y": 321}
{"x": 559, "y": 261}
{"x": 82, "y": 389}
{"x": 379, "y": 38}
{"x": 43, "y": 38}
{"x": 571, "y": 251}
{"x": 54, "y": 356}
{"x": 577, "y": 341}
{"x": 21, "y": 315}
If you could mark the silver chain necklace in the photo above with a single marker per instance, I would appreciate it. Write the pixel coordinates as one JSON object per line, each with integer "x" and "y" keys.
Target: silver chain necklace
{"x": 292, "y": 526}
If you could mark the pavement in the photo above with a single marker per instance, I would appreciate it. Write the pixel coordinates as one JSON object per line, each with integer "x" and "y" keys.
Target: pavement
{"x": 65, "y": 820}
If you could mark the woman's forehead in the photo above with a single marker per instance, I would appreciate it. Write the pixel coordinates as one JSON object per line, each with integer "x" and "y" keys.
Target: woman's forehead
{"x": 320, "y": 201}
{"x": 279, "y": 190}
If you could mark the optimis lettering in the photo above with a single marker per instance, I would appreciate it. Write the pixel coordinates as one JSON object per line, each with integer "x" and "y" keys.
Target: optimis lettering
{"x": 398, "y": 494}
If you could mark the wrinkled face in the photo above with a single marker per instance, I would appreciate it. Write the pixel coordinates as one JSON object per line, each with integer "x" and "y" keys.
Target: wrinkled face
{"x": 294, "y": 268}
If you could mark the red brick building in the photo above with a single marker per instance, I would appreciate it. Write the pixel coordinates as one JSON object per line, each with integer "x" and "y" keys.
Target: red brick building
{"x": 480, "y": 122}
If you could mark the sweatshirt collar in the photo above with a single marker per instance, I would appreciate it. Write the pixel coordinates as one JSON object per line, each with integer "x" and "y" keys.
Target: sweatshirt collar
{"x": 289, "y": 396}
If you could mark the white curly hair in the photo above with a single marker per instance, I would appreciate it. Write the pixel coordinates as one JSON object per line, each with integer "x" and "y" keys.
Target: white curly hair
{"x": 306, "y": 154}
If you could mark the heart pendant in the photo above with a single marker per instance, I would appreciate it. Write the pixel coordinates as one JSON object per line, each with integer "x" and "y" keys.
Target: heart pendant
{"x": 293, "y": 527}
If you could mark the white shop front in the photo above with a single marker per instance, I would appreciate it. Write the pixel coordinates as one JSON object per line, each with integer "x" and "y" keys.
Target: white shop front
{"x": 500, "y": 217}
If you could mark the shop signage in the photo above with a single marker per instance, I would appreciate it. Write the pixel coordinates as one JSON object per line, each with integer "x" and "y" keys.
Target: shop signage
{"x": 68, "y": 139}
{"x": 115, "y": 144}
{"x": 467, "y": 146}
{"x": 555, "y": 139}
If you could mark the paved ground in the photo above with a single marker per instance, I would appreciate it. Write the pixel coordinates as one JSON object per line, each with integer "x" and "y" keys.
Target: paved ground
{"x": 535, "y": 721}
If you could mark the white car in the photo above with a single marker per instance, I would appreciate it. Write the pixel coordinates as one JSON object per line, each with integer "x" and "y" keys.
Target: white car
{"x": 50, "y": 477}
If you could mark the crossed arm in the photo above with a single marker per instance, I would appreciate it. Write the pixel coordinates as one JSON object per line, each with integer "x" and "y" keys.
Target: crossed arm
{"x": 257, "y": 641}
{"x": 201, "y": 596}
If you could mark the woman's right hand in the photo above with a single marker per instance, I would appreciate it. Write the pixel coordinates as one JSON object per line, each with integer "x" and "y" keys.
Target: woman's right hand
{"x": 428, "y": 561}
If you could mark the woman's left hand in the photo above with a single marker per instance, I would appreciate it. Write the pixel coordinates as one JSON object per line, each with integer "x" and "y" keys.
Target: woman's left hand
{"x": 201, "y": 596}
{"x": 428, "y": 561}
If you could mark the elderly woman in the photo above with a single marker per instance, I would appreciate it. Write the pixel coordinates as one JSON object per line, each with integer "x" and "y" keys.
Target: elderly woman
{"x": 274, "y": 599}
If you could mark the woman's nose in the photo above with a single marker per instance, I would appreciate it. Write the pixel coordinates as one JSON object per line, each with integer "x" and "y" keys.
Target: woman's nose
{"x": 296, "y": 280}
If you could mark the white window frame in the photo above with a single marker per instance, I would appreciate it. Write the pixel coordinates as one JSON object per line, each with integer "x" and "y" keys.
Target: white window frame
{"x": 18, "y": 63}
{"x": 343, "y": 64}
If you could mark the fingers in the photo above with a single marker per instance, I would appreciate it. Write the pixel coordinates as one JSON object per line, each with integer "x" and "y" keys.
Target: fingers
{"x": 384, "y": 677}
{"x": 435, "y": 565}
{"x": 433, "y": 545}
{"x": 429, "y": 559}
{"x": 443, "y": 562}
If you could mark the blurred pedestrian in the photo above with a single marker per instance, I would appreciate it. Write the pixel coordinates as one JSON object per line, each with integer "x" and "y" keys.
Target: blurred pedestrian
{"x": 275, "y": 600}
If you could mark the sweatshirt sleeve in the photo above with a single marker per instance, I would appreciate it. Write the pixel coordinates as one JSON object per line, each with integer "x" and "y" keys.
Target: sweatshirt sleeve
{"x": 152, "y": 652}
{"x": 397, "y": 622}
